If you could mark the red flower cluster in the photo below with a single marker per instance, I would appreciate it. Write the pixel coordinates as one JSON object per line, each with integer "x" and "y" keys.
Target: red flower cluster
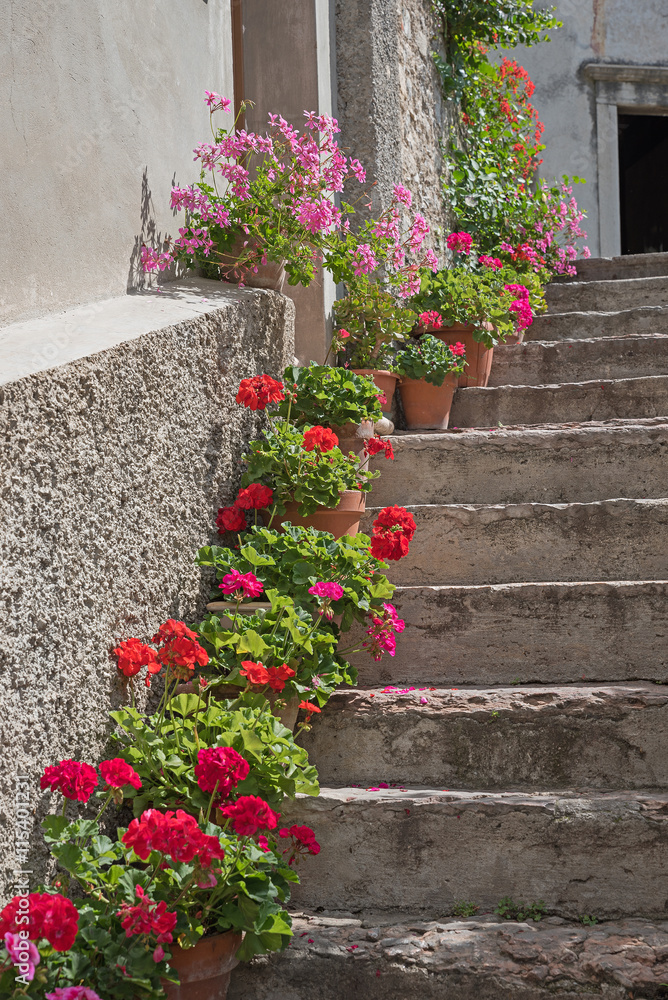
{"x": 73, "y": 779}
{"x": 303, "y": 842}
{"x": 254, "y": 497}
{"x": 179, "y": 651}
{"x": 221, "y": 766}
{"x": 321, "y": 438}
{"x": 231, "y": 519}
{"x": 458, "y": 349}
{"x": 259, "y": 676}
{"x": 430, "y": 320}
{"x": 147, "y": 917}
{"x": 309, "y": 708}
{"x": 176, "y": 835}
{"x": 393, "y": 529}
{"x": 250, "y": 814}
{"x": 133, "y": 655}
{"x": 256, "y": 392}
{"x": 43, "y": 915}
{"x": 376, "y": 444}
{"x": 117, "y": 773}
{"x": 461, "y": 242}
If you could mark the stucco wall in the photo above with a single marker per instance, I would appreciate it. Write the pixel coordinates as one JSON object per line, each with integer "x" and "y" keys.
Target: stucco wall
{"x": 101, "y": 104}
{"x": 389, "y": 99}
{"x": 112, "y": 468}
{"x": 617, "y": 31}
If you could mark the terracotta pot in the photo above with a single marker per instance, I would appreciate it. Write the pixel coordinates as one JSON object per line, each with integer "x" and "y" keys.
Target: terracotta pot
{"x": 478, "y": 357}
{"x": 270, "y": 275}
{"x": 344, "y": 519}
{"x": 427, "y": 406}
{"x": 204, "y": 971}
{"x": 353, "y": 437}
{"x": 385, "y": 381}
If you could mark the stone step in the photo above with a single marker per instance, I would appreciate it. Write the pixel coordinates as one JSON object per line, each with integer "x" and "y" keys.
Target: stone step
{"x": 421, "y": 849}
{"x": 401, "y": 957}
{"x": 577, "y": 736}
{"x": 585, "y": 325}
{"x": 528, "y": 633}
{"x": 607, "y": 296}
{"x": 552, "y": 404}
{"x": 637, "y": 265}
{"x": 548, "y": 464}
{"x": 534, "y": 542}
{"x": 548, "y": 362}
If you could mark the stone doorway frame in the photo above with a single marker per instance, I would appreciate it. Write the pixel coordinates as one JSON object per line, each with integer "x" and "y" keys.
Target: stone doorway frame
{"x": 636, "y": 90}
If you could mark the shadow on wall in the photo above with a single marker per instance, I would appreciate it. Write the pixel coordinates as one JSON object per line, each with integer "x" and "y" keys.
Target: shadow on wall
{"x": 149, "y": 235}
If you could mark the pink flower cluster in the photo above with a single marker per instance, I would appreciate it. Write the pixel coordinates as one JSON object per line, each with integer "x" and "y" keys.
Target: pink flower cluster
{"x": 327, "y": 592}
{"x": 520, "y": 306}
{"x": 241, "y": 585}
{"x": 460, "y": 242}
{"x": 381, "y": 632}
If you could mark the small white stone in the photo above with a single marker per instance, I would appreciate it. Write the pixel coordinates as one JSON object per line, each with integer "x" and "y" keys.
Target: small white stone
{"x": 384, "y": 426}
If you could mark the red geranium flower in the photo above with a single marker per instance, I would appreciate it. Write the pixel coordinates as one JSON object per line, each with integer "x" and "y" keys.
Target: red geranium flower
{"x": 176, "y": 835}
{"x": 147, "y": 917}
{"x": 389, "y": 546}
{"x": 396, "y": 518}
{"x": 431, "y": 318}
{"x": 309, "y": 708}
{"x": 250, "y": 814}
{"x": 230, "y": 519}
{"x": 303, "y": 842}
{"x": 256, "y": 673}
{"x": 180, "y": 652}
{"x": 376, "y": 444}
{"x": 461, "y": 242}
{"x": 254, "y": 497}
{"x": 117, "y": 773}
{"x": 50, "y": 916}
{"x": 75, "y": 780}
{"x": 256, "y": 392}
{"x": 321, "y": 438}
{"x": 133, "y": 655}
{"x": 220, "y": 766}
{"x": 279, "y": 675}
{"x": 458, "y": 349}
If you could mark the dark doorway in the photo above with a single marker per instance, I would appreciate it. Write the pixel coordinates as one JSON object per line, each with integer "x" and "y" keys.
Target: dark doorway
{"x": 643, "y": 182}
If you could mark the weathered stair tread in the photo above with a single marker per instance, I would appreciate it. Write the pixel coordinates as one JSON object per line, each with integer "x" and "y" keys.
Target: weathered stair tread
{"x": 594, "y": 852}
{"x": 577, "y": 736}
{"x": 595, "y": 399}
{"x": 516, "y": 543}
{"x": 636, "y": 265}
{"x": 583, "y": 462}
{"x": 603, "y": 295}
{"x": 584, "y": 325}
{"x": 546, "y": 362}
{"x": 508, "y": 633}
{"x": 399, "y": 957}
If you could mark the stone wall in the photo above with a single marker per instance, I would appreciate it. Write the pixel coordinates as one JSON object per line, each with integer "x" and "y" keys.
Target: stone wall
{"x": 101, "y": 105}
{"x": 390, "y": 106}
{"x": 112, "y": 468}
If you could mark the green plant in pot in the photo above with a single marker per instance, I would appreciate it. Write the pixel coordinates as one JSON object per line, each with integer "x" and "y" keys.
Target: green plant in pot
{"x": 370, "y": 320}
{"x": 429, "y": 371}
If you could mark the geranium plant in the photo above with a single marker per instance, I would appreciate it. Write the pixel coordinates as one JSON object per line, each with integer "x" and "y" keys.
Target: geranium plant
{"x": 333, "y": 396}
{"x": 370, "y": 319}
{"x": 473, "y": 298}
{"x": 430, "y": 359}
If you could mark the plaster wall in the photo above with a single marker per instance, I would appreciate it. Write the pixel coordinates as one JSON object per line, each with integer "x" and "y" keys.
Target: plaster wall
{"x": 112, "y": 467}
{"x": 608, "y": 31}
{"x": 101, "y": 104}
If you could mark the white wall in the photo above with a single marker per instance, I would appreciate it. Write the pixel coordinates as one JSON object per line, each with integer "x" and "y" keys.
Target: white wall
{"x": 101, "y": 104}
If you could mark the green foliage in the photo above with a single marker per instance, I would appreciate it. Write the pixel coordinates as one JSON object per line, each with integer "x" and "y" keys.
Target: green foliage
{"x": 292, "y": 560}
{"x": 310, "y": 478}
{"x": 507, "y": 909}
{"x": 588, "y": 920}
{"x": 430, "y": 359}
{"x": 374, "y": 319}
{"x": 463, "y": 909}
{"x": 333, "y": 396}
{"x": 281, "y": 634}
{"x": 475, "y": 298}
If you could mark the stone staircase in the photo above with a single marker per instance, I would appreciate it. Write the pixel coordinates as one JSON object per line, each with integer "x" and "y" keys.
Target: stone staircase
{"x": 516, "y": 744}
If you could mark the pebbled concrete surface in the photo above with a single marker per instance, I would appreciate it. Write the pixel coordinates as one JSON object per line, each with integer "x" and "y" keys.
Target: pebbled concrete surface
{"x": 526, "y": 633}
{"x": 112, "y": 468}
{"x": 547, "y": 362}
{"x": 483, "y": 958}
{"x": 552, "y": 464}
{"x": 420, "y": 849}
{"x": 515, "y": 543}
{"x": 573, "y": 401}
{"x": 579, "y": 736}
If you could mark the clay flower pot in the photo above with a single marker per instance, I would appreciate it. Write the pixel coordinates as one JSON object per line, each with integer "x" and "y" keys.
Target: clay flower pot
{"x": 270, "y": 275}
{"x": 204, "y": 971}
{"x": 385, "y": 381}
{"x": 353, "y": 437}
{"x": 478, "y": 357}
{"x": 344, "y": 519}
{"x": 427, "y": 406}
